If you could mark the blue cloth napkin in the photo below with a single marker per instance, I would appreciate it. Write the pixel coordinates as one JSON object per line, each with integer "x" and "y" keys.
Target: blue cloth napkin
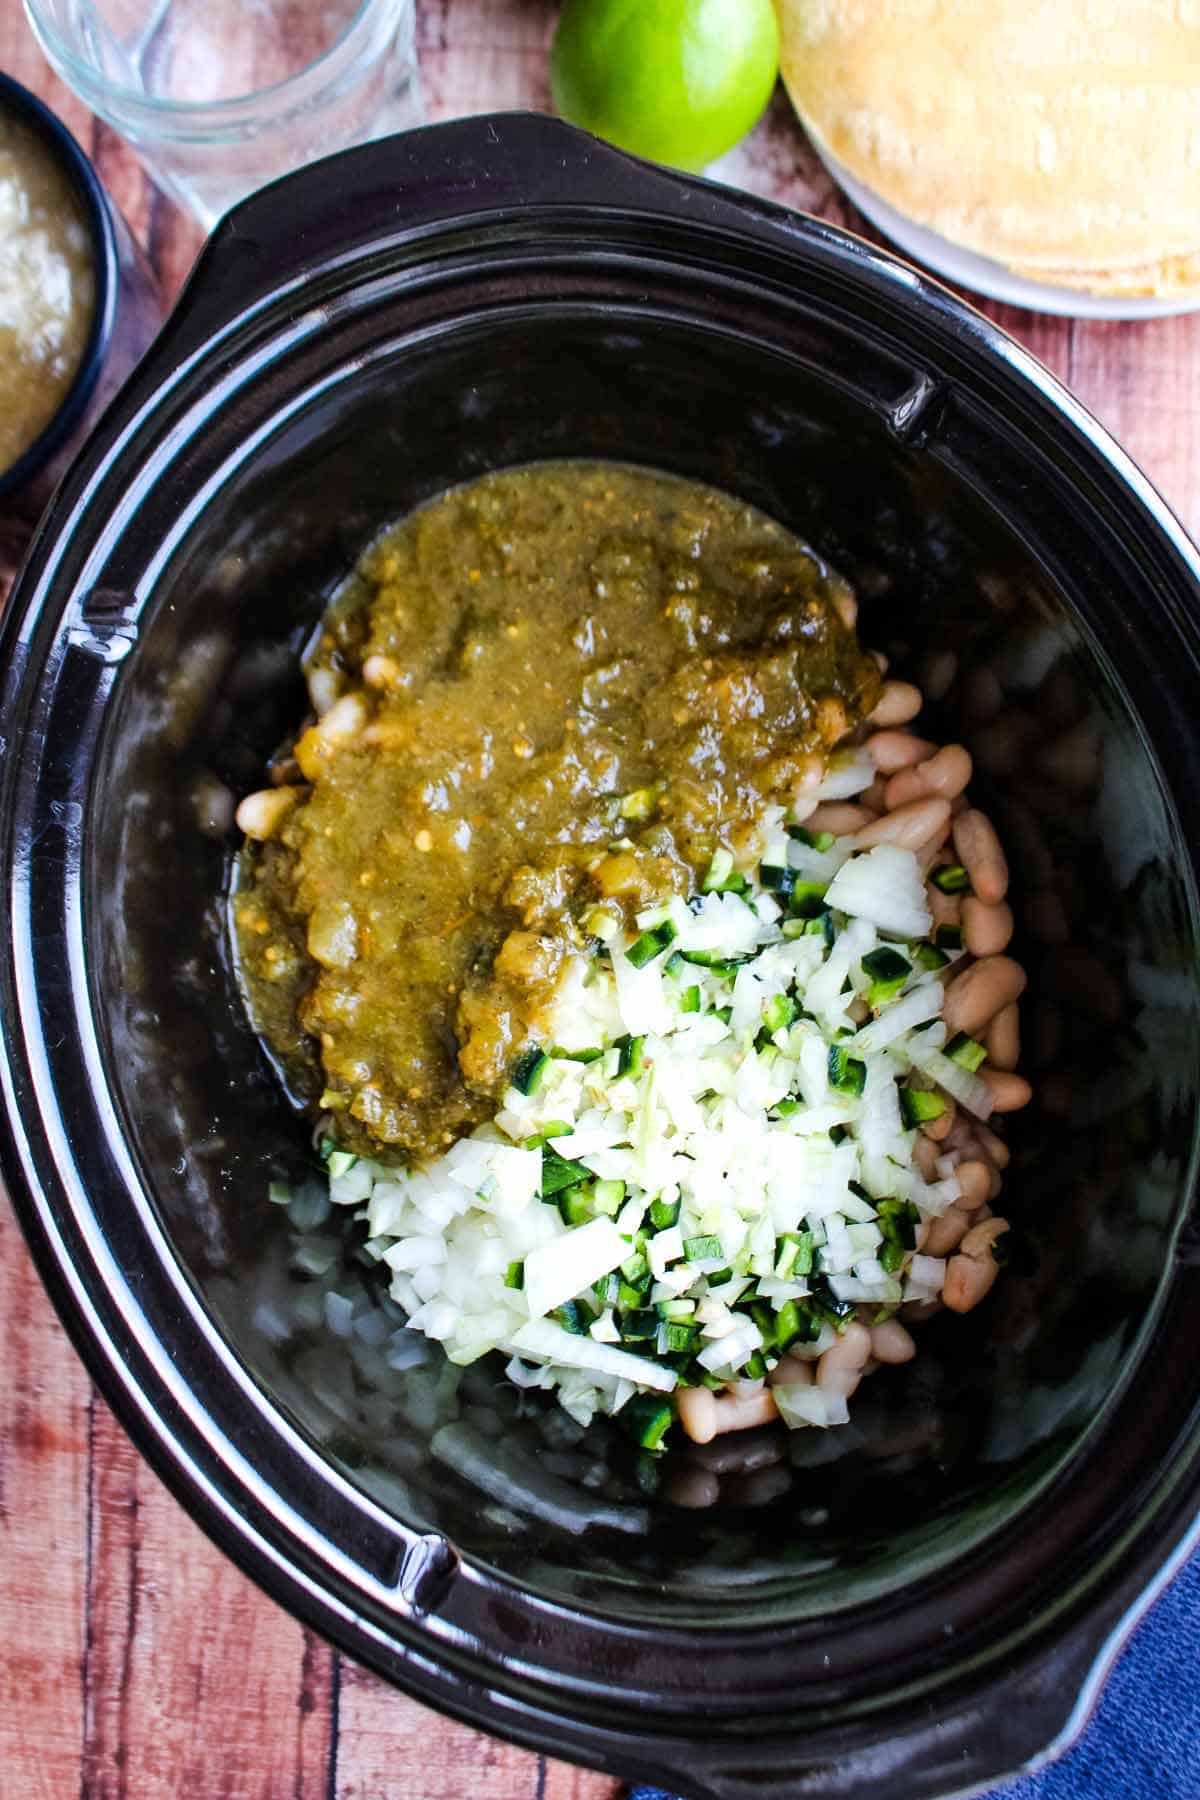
{"x": 1143, "y": 1741}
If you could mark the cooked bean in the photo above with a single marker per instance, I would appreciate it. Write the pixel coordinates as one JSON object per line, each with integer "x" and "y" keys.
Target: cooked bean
{"x": 697, "y": 1408}
{"x": 946, "y": 773}
{"x": 909, "y": 826}
{"x": 925, "y": 1155}
{"x": 324, "y": 687}
{"x": 1075, "y": 759}
{"x": 944, "y": 909}
{"x": 342, "y": 724}
{"x": 792, "y": 1371}
{"x": 932, "y": 852}
{"x": 845, "y": 605}
{"x": 983, "y": 695}
{"x": 761, "y": 1487}
{"x": 937, "y": 675}
{"x": 1003, "y": 1038}
{"x": 975, "y": 997}
{"x": 212, "y": 806}
{"x": 947, "y": 1233}
{"x": 742, "y": 1411}
{"x": 940, "y": 1129}
{"x": 260, "y": 815}
{"x": 892, "y": 750}
{"x": 831, "y": 718}
{"x": 1001, "y": 746}
{"x": 1060, "y": 700}
{"x": 979, "y": 1240}
{"x": 961, "y": 1138}
{"x": 1009, "y": 1092}
{"x": 899, "y": 702}
{"x": 987, "y": 930}
{"x": 383, "y": 672}
{"x": 693, "y": 1488}
{"x": 994, "y": 1148}
{"x": 739, "y": 1457}
{"x": 971, "y": 1273}
{"x": 974, "y": 1184}
{"x": 849, "y": 1352}
{"x": 967, "y": 1282}
{"x": 840, "y": 817}
{"x": 981, "y": 855}
{"x": 873, "y": 796}
{"x": 915, "y": 1312}
{"x": 890, "y": 1343}
{"x": 840, "y": 1369}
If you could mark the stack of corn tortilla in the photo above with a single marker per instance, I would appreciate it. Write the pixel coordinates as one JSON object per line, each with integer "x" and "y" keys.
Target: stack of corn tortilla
{"x": 1059, "y": 137}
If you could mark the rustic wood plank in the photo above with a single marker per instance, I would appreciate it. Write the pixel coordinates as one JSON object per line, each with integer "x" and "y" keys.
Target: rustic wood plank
{"x": 388, "y": 1744}
{"x": 196, "y": 1683}
{"x": 565, "y": 1782}
{"x": 43, "y": 1535}
{"x": 1143, "y": 382}
{"x": 484, "y": 55}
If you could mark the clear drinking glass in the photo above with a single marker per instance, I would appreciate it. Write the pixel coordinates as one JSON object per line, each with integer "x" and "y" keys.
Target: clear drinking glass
{"x": 220, "y": 96}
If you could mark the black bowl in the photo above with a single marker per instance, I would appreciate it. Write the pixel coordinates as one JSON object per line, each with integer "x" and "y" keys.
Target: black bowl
{"x": 919, "y": 1602}
{"x": 125, "y": 316}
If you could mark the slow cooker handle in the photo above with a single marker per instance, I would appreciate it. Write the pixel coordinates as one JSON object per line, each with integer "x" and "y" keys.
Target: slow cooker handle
{"x": 1023, "y": 1718}
{"x": 296, "y": 235}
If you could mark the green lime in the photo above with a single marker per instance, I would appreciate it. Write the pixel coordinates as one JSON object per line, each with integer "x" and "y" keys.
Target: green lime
{"x": 678, "y": 81}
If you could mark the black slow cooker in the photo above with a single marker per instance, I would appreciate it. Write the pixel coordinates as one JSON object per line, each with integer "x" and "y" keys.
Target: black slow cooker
{"x": 917, "y": 1603}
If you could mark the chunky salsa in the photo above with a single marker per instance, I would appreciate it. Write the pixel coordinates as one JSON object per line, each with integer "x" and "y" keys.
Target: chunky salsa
{"x": 539, "y": 700}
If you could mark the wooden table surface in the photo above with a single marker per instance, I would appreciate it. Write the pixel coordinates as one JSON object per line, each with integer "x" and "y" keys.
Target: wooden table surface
{"x": 135, "y": 1662}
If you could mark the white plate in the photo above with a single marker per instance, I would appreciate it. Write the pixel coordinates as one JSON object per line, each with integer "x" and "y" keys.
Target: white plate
{"x": 985, "y": 276}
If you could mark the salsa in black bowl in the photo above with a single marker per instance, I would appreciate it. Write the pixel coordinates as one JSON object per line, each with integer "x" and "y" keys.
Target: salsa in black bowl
{"x": 78, "y": 340}
{"x": 927, "y": 1603}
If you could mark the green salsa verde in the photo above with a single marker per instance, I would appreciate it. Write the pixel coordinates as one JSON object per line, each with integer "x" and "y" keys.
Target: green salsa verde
{"x": 548, "y": 692}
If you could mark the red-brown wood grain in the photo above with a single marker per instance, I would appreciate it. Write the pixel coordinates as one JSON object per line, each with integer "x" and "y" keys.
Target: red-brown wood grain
{"x": 45, "y": 1464}
{"x": 135, "y": 1662}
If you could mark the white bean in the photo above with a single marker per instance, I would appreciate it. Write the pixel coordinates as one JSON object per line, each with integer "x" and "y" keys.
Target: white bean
{"x": 975, "y": 997}
{"x": 261, "y": 814}
{"x": 1009, "y": 1092}
{"x": 974, "y": 1184}
{"x": 890, "y": 1343}
{"x": 893, "y": 750}
{"x": 909, "y": 826}
{"x": 947, "y": 772}
{"x": 987, "y": 930}
{"x": 840, "y": 1369}
{"x": 982, "y": 856}
{"x": 899, "y": 701}
{"x": 1003, "y": 1038}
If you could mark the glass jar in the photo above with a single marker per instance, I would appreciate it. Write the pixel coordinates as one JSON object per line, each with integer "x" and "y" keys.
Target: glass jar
{"x": 219, "y": 98}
